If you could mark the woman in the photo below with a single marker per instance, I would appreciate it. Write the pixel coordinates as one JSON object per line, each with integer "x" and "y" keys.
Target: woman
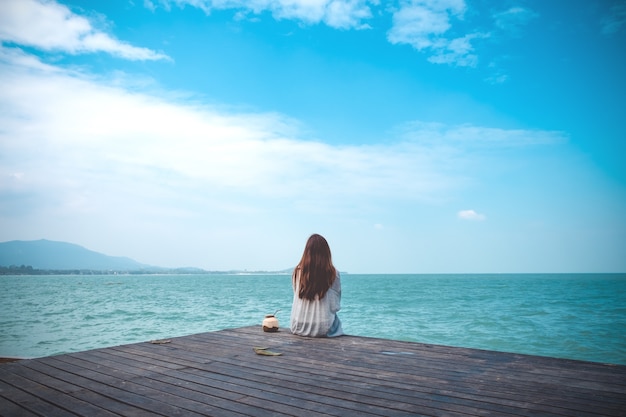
{"x": 316, "y": 292}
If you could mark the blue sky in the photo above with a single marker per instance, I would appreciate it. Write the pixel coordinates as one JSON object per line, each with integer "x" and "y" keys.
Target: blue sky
{"x": 418, "y": 136}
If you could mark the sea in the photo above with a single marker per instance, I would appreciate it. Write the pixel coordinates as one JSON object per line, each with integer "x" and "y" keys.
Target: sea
{"x": 575, "y": 316}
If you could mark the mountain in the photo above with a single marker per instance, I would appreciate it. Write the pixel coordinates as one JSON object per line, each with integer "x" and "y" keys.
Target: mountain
{"x": 47, "y": 254}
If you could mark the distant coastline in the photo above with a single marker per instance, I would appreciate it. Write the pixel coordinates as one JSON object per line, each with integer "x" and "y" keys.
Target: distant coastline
{"x": 29, "y": 270}
{"x": 47, "y": 257}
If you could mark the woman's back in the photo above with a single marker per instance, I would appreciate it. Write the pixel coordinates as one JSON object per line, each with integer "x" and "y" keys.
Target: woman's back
{"x": 318, "y": 317}
{"x": 316, "y": 292}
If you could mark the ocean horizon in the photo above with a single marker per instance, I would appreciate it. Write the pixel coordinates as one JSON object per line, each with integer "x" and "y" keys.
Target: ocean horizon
{"x": 574, "y": 316}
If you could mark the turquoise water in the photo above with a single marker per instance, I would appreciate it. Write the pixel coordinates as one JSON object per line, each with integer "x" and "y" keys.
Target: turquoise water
{"x": 562, "y": 315}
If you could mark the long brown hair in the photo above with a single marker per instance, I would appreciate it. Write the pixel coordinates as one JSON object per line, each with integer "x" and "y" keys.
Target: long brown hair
{"x": 315, "y": 270}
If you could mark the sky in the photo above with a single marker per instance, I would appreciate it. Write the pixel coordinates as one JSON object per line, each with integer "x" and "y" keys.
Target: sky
{"x": 417, "y": 136}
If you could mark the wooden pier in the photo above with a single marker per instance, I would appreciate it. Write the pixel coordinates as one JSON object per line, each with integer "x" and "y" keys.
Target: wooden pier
{"x": 219, "y": 374}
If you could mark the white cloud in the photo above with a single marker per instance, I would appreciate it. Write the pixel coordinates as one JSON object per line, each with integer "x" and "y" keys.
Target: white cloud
{"x": 514, "y": 19}
{"x": 96, "y": 132}
{"x": 341, "y": 14}
{"x": 471, "y": 215}
{"x": 418, "y": 23}
{"x": 497, "y": 75}
{"x": 497, "y": 78}
{"x": 470, "y": 137}
{"x": 424, "y": 24}
{"x": 92, "y": 132}
{"x": 435, "y": 28}
{"x": 457, "y": 51}
{"x": 415, "y": 25}
{"x": 86, "y": 160}
{"x": 615, "y": 19}
{"x": 50, "y": 26}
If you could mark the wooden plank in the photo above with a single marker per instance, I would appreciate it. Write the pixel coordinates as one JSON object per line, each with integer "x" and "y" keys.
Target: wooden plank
{"x": 255, "y": 393}
{"x": 469, "y": 380}
{"x": 188, "y": 346}
{"x": 115, "y": 395}
{"x": 472, "y": 382}
{"x": 168, "y": 382}
{"x": 329, "y": 380}
{"x": 217, "y": 396}
{"x": 550, "y": 385}
{"x": 138, "y": 392}
{"x": 53, "y": 391}
{"x": 219, "y": 374}
{"x": 15, "y": 402}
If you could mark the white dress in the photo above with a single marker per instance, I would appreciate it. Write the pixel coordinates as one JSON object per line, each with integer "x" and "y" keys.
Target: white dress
{"x": 317, "y": 318}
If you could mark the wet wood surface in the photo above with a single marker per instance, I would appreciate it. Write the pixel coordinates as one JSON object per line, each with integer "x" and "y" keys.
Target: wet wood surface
{"x": 219, "y": 374}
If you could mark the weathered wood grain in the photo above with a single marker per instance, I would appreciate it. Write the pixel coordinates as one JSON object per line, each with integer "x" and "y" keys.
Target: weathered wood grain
{"x": 219, "y": 374}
